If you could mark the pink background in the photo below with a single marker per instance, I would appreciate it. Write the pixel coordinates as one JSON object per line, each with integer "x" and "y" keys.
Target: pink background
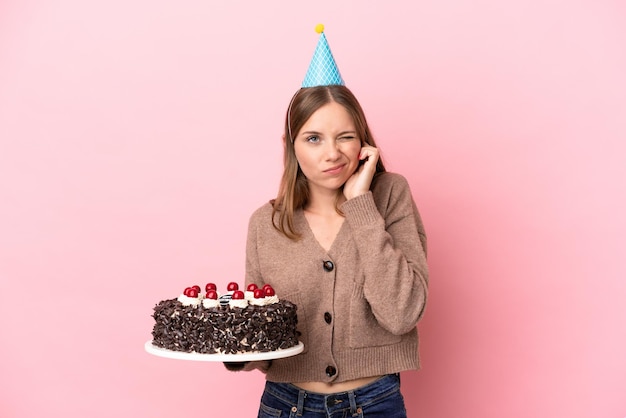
{"x": 138, "y": 136}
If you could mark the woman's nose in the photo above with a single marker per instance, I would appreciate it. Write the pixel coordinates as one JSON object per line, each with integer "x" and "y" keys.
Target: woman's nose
{"x": 332, "y": 150}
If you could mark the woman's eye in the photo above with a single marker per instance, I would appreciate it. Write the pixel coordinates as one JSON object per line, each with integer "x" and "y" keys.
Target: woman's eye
{"x": 313, "y": 138}
{"x": 346, "y": 138}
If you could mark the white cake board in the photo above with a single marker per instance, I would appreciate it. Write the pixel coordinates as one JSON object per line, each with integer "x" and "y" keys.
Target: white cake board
{"x": 179, "y": 355}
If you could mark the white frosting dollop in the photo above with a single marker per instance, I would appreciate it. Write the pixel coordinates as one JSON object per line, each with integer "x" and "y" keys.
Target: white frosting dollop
{"x": 210, "y": 303}
{"x": 267, "y": 300}
{"x": 248, "y": 295}
{"x": 257, "y": 302}
{"x": 238, "y": 303}
{"x": 271, "y": 299}
{"x": 187, "y": 301}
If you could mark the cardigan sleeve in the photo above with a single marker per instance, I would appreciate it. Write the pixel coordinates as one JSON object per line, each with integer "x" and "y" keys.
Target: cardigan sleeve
{"x": 253, "y": 275}
{"x": 391, "y": 244}
{"x": 253, "y": 269}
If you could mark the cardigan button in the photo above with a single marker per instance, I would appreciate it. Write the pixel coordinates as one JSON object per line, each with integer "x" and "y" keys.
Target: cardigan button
{"x": 328, "y": 265}
{"x": 331, "y": 371}
{"x": 328, "y": 317}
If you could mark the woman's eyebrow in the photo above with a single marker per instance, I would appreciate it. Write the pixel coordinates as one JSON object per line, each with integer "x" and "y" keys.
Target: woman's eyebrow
{"x": 340, "y": 134}
{"x": 319, "y": 133}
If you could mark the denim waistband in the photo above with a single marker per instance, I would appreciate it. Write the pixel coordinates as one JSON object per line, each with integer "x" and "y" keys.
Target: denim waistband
{"x": 363, "y": 395}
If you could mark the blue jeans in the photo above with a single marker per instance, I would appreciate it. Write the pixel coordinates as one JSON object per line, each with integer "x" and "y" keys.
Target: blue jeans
{"x": 381, "y": 398}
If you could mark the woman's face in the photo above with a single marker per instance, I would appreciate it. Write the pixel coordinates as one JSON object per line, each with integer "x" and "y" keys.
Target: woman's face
{"x": 327, "y": 148}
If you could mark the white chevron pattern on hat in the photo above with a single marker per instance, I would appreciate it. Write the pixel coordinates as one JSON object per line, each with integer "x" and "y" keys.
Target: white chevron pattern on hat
{"x": 322, "y": 70}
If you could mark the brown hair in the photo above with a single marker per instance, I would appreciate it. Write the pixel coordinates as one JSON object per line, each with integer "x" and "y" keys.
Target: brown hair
{"x": 293, "y": 192}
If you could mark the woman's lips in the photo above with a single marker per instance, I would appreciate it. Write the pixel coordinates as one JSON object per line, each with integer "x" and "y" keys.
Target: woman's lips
{"x": 334, "y": 170}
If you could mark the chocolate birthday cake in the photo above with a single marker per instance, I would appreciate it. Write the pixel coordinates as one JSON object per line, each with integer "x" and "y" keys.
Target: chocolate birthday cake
{"x": 231, "y": 323}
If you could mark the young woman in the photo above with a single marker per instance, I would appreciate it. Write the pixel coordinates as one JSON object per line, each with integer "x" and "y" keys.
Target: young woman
{"x": 344, "y": 241}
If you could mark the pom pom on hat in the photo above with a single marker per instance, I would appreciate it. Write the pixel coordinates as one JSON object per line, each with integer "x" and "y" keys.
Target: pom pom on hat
{"x": 322, "y": 70}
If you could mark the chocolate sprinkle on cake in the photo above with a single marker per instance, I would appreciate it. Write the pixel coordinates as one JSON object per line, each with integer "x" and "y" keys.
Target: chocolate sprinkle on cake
{"x": 224, "y": 329}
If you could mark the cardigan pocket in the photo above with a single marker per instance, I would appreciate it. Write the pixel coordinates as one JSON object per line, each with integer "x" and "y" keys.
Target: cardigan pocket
{"x": 365, "y": 331}
{"x": 303, "y": 335}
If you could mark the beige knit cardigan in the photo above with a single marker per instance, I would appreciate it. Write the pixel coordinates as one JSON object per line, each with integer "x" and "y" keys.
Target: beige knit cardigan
{"x": 358, "y": 313}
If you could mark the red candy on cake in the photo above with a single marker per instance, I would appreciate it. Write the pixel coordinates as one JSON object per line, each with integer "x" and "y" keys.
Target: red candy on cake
{"x": 191, "y": 292}
{"x": 259, "y": 293}
{"x": 211, "y": 294}
{"x": 252, "y": 287}
{"x": 210, "y": 286}
{"x": 238, "y": 294}
{"x": 232, "y": 286}
{"x": 269, "y": 290}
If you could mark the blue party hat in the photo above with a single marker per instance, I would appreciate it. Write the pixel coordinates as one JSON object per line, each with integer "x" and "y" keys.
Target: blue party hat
{"x": 323, "y": 70}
